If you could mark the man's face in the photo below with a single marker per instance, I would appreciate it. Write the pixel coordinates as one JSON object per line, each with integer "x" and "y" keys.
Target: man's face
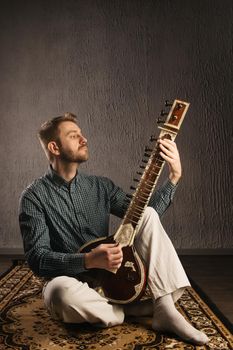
{"x": 72, "y": 144}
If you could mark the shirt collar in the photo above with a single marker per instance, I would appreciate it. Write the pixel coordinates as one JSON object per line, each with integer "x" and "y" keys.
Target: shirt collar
{"x": 59, "y": 181}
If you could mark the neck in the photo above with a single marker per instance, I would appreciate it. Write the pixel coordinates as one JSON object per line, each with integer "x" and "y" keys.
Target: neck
{"x": 66, "y": 170}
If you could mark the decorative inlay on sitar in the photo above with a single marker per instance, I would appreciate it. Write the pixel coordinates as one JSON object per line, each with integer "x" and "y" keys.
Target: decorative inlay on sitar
{"x": 127, "y": 284}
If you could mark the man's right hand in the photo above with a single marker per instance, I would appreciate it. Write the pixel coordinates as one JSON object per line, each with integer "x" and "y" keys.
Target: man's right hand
{"x": 104, "y": 256}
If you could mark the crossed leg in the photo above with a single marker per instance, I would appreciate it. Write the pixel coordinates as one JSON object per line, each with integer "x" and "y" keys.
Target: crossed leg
{"x": 71, "y": 300}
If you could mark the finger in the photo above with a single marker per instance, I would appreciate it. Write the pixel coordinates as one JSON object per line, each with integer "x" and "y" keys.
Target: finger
{"x": 168, "y": 159}
{"x": 120, "y": 255}
{"x": 169, "y": 153}
{"x": 117, "y": 260}
{"x": 114, "y": 251}
{"x": 109, "y": 245}
{"x": 168, "y": 143}
{"x": 116, "y": 264}
{"x": 168, "y": 148}
{"x": 114, "y": 257}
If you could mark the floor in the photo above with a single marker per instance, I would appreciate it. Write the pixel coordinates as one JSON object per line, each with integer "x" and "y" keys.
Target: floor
{"x": 213, "y": 274}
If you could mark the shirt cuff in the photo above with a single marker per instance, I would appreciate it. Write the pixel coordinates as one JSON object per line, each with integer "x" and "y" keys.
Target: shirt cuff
{"x": 169, "y": 188}
{"x": 80, "y": 263}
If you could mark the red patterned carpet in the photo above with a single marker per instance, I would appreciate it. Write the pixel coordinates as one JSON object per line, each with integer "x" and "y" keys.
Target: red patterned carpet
{"x": 26, "y": 325}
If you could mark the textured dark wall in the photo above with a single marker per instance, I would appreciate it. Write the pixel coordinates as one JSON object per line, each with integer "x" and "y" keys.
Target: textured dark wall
{"x": 113, "y": 63}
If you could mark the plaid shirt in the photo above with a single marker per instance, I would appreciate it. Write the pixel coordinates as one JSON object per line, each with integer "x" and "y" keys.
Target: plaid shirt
{"x": 56, "y": 218}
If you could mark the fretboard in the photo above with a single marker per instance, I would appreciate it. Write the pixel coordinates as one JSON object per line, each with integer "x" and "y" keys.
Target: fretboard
{"x": 145, "y": 188}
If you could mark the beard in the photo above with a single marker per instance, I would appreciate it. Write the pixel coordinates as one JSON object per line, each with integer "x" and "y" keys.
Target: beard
{"x": 69, "y": 156}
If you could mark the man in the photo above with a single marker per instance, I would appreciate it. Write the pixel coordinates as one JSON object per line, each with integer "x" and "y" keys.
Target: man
{"x": 64, "y": 209}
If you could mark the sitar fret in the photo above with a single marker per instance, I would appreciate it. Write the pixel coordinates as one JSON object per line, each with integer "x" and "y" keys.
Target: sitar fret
{"x": 136, "y": 206}
{"x": 133, "y": 209}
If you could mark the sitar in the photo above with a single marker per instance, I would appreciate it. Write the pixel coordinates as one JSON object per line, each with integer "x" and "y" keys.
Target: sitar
{"x": 127, "y": 284}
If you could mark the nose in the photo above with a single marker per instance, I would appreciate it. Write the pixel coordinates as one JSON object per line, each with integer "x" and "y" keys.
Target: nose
{"x": 83, "y": 141}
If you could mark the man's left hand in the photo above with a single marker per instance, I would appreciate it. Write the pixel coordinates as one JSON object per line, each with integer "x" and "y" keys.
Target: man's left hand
{"x": 169, "y": 152}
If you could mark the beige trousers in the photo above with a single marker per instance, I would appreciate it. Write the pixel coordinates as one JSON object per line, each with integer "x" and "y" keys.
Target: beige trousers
{"x": 70, "y": 300}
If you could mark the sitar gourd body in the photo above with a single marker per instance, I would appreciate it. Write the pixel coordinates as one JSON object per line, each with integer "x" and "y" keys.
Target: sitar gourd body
{"x": 130, "y": 278}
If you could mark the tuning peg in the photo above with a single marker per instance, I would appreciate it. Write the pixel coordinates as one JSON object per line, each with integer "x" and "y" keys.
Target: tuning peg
{"x": 125, "y": 205}
{"x": 136, "y": 180}
{"x": 142, "y": 166}
{"x": 168, "y": 103}
{"x": 146, "y": 155}
{"x": 153, "y": 138}
{"x": 139, "y": 173}
{"x": 129, "y": 196}
{"x": 160, "y": 121}
{"x": 144, "y": 160}
{"x": 132, "y": 188}
{"x": 147, "y": 149}
{"x": 126, "y": 202}
{"x": 162, "y": 113}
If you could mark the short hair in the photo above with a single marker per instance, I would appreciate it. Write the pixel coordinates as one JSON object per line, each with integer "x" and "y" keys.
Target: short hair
{"x": 49, "y": 130}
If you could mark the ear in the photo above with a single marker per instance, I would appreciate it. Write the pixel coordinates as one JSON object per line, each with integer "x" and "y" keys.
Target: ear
{"x": 53, "y": 148}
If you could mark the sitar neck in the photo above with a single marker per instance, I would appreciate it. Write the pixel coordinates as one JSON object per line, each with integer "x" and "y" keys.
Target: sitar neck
{"x": 145, "y": 188}
{"x": 153, "y": 165}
